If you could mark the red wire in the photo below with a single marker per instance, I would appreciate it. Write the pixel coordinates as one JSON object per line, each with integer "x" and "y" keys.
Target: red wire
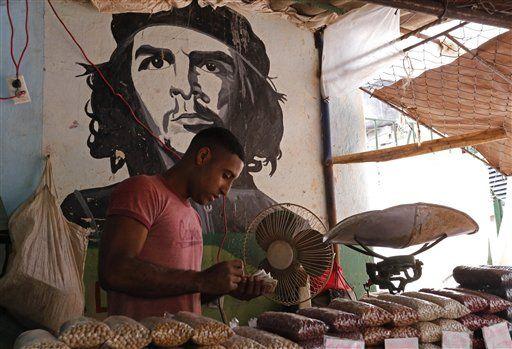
{"x": 162, "y": 144}
{"x": 27, "y": 37}
{"x": 7, "y": 98}
{"x": 17, "y": 94}
{"x": 221, "y": 246}
{"x": 120, "y": 96}
{"x": 12, "y": 34}
{"x": 18, "y": 63}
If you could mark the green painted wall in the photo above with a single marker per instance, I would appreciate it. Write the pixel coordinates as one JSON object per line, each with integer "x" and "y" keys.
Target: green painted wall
{"x": 243, "y": 311}
{"x": 354, "y": 266}
{"x": 233, "y": 249}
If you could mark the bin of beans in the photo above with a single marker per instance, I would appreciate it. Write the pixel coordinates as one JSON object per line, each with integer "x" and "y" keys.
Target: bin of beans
{"x": 450, "y": 325}
{"x": 405, "y": 332}
{"x": 295, "y": 327}
{"x": 375, "y": 335}
{"x": 452, "y": 308}
{"x": 472, "y": 322}
{"x": 495, "y": 304}
{"x": 127, "y": 333}
{"x": 429, "y": 332}
{"x": 38, "y": 339}
{"x": 267, "y": 339}
{"x": 427, "y": 311}
{"x": 84, "y": 332}
{"x": 337, "y": 320}
{"x": 402, "y": 315}
{"x": 239, "y": 342}
{"x": 167, "y": 332}
{"x": 474, "y": 303}
{"x": 475, "y": 277}
{"x": 370, "y": 314}
{"x": 206, "y": 331}
{"x": 491, "y": 319}
{"x": 317, "y": 343}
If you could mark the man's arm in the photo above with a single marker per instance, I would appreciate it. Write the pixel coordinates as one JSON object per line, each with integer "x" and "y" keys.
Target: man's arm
{"x": 120, "y": 270}
{"x": 246, "y": 290}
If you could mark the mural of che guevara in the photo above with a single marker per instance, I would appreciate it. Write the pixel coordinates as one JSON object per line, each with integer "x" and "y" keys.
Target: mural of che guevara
{"x": 182, "y": 71}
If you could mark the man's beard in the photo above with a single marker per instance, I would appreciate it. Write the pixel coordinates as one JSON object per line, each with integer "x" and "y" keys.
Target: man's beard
{"x": 204, "y": 116}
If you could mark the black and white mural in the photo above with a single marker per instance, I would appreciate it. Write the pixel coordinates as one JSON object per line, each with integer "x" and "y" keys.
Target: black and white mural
{"x": 218, "y": 76}
{"x": 181, "y": 71}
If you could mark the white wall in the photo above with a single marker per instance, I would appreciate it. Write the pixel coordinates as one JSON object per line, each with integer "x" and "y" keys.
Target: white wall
{"x": 351, "y": 183}
{"x": 348, "y": 136}
{"x": 293, "y": 69}
{"x": 293, "y": 65}
{"x": 448, "y": 178}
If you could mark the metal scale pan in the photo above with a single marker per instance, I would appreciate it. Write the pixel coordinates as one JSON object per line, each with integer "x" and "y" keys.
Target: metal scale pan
{"x": 399, "y": 227}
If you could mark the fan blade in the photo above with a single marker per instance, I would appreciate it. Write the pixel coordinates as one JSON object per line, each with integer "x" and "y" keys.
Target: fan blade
{"x": 283, "y": 295}
{"x": 279, "y": 291}
{"x": 263, "y": 234}
{"x": 288, "y": 283}
{"x": 300, "y": 277}
{"x": 265, "y": 265}
{"x": 278, "y": 225}
{"x": 262, "y": 238}
{"x": 276, "y": 273}
{"x": 307, "y": 237}
{"x": 313, "y": 254}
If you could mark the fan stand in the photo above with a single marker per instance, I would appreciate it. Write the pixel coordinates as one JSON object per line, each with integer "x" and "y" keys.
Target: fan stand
{"x": 305, "y": 293}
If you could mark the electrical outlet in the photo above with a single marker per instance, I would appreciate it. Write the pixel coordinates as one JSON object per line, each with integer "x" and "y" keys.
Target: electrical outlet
{"x": 25, "y": 97}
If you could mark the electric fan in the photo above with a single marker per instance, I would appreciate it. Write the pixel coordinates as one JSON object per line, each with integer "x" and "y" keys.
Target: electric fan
{"x": 287, "y": 241}
{"x": 294, "y": 246}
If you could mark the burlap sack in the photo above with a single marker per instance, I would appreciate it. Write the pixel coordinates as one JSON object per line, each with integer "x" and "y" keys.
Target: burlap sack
{"x": 43, "y": 285}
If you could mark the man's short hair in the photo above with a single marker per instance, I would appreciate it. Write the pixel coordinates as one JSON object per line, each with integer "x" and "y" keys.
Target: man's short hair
{"x": 217, "y": 136}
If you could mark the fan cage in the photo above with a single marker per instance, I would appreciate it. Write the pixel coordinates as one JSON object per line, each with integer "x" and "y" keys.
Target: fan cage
{"x": 308, "y": 220}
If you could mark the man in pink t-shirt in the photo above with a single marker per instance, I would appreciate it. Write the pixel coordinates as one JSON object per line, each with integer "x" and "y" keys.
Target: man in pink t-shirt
{"x": 151, "y": 249}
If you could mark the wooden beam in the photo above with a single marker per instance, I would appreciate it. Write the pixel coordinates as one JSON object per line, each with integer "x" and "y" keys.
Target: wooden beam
{"x": 405, "y": 112}
{"x": 404, "y": 151}
{"x": 466, "y": 13}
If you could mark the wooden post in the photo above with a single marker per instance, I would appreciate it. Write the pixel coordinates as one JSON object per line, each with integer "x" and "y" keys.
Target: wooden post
{"x": 426, "y": 147}
{"x": 466, "y": 13}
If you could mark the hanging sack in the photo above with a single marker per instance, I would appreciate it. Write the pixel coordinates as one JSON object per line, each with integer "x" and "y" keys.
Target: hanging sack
{"x": 43, "y": 285}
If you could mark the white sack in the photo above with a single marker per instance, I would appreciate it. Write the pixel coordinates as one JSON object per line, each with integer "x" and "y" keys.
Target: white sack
{"x": 357, "y": 46}
{"x": 43, "y": 285}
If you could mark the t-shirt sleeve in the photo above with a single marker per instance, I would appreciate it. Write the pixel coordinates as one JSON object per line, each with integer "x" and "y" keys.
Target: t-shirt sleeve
{"x": 198, "y": 216}
{"x": 136, "y": 198}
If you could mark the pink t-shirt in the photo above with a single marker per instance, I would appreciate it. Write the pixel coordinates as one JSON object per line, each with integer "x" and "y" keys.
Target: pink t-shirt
{"x": 174, "y": 240}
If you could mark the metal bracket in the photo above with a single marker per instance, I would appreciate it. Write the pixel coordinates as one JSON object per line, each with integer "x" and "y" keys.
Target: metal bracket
{"x": 392, "y": 270}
